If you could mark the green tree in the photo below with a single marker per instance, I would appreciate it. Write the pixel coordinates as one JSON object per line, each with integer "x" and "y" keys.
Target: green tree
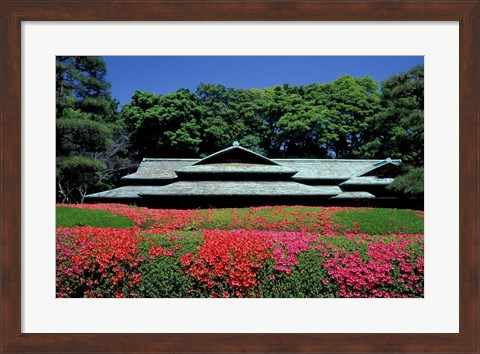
{"x": 398, "y": 127}
{"x": 81, "y": 85}
{"x": 411, "y": 183}
{"x": 229, "y": 115}
{"x": 296, "y": 123}
{"x": 322, "y": 120}
{"x": 351, "y": 104}
{"x": 220, "y": 123}
{"x": 163, "y": 125}
{"x": 88, "y": 129}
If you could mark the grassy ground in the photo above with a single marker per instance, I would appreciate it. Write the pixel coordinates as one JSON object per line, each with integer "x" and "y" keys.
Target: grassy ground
{"x": 380, "y": 221}
{"x": 70, "y": 217}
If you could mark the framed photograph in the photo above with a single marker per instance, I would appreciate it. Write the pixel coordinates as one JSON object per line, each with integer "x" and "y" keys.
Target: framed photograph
{"x": 38, "y": 36}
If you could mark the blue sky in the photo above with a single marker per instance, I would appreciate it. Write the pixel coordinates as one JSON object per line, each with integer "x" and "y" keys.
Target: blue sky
{"x": 164, "y": 74}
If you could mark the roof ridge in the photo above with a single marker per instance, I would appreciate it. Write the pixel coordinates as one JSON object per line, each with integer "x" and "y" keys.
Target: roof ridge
{"x": 169, "y": 159}
{"x": 376, "y": 166}
{"x": 336, "y": 160}
{"x": 219, "y": 154}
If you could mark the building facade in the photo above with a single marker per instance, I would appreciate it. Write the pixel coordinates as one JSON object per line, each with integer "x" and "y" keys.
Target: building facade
{"x": 238, "y": 177}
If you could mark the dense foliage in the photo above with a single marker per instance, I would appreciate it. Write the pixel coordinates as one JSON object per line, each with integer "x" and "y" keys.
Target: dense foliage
{"x": 254, "y": 252}
{"x": 90, "y": 137}
{"x": 411, "y": 183}
{"x": 346, "y": 118}
{"x": 398, "y": 126}
{"x": 328, "y": 120}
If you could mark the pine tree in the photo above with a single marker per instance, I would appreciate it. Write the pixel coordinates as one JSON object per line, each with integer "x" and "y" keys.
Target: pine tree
{"x": 87, "y": 128}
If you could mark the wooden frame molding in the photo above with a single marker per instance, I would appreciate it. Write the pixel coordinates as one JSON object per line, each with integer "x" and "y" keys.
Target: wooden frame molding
{"x": 466, "y": 12}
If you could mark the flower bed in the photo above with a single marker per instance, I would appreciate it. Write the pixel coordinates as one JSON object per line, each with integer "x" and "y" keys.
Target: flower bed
{"x": 260, "y": 252}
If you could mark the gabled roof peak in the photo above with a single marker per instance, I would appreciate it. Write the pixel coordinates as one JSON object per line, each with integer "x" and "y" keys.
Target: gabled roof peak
{"x": 388, "y": 160}
{"x": 382, "y": 164}
{"x": 235, "y": 153}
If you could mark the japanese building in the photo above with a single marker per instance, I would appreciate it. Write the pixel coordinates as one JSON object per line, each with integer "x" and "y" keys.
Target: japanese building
{"x": 237, "y": 177}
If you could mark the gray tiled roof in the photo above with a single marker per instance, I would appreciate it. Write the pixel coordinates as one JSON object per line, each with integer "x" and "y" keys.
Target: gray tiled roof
{"x": 237, "y": 168}
{"x": 354, "y": 195}
{"x": 216, "y": 188}
{"x": 328, "y": 169}
{"x": 299, "y": 177}
{"x": 368, "y": 180}
{"x": 241, "y": 188}
{"x": 123, "y": 192}
{"x": 159, "y": 168}
{"x": 307, "y": 168}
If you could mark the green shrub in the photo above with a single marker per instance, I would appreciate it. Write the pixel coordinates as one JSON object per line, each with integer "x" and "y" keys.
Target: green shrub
{"x": 305, "y": 281}
{"x": 162, "y": 277}
{"x": 410, "y": 184}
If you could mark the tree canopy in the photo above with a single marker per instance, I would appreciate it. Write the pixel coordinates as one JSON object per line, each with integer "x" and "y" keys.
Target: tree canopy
{"x": 397, "y": 128}
{"x": 90, "y": 134}
{"x": 319, "y": 120}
